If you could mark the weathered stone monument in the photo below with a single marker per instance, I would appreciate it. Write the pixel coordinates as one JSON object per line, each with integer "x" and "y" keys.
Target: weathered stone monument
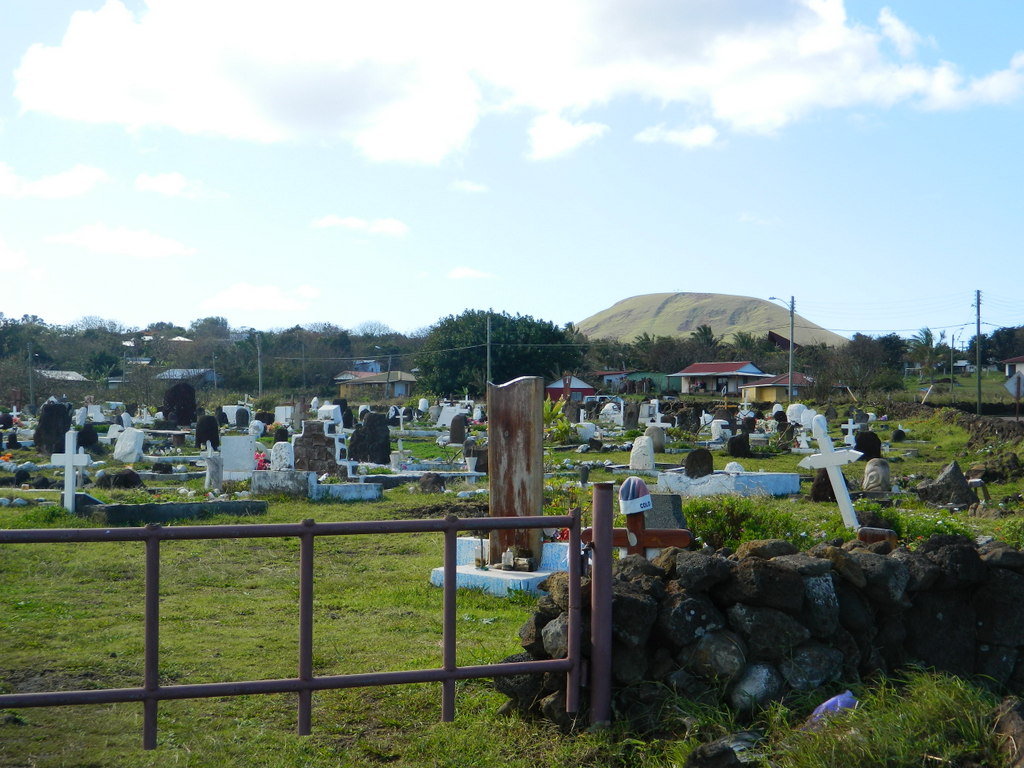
{"x": 371, "y": 440}
{"x": 516, "y": 461}
{"x": 208, "y": 431}
{"x": 179, "y": 406}
{"x": 54, "y": 422}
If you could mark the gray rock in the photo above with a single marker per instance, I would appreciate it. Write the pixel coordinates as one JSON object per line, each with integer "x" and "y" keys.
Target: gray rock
{"x": 821, "y": 605}
{"x": 769, "y": 634}
{"x": 682, "y": 617}
{"x": 699, "y": 572}
{"x": 555, "y": 637}
{"x": 763, "y": 583}
{"x": 811, "y": 665}
{"x": 950, "y": 487}
{"x": 998, "y": 606}
{"x": 758, "y": 685}
{"x": 721, "y": 654}
{"x": 633, "y": 615}
{"x": 886, "y": 577}
{"x": 765, "y": 548}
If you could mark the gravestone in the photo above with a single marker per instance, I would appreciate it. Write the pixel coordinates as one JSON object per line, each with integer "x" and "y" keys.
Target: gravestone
{"x": 720, "y": 430}
{"x": 208, "y": 431}
{"x": 876, "y": 477}
{"x": 81, "y": 416}
{"x": 281, "y": 435}
{"x": 256, "y": 428}
{"x": 283, "y": 414}
{"x": 699, "y": 463}
{"x": 214, "y": 469}
{"x": 630, "y": 415}
{"x": 657, "y": 436}
{"x": 282, "y": 456}
{"x": 950, "y": 487}
{"x": 6, "y": 420}
{"x": 516, "y": 457}
{"x": 666, "y": 511}
{"x": 315, "y": 449}
{"x": 749, "y": 425}
{"x": 347, "y": 418}
{"x": 641, "y": 457}
{"x": 238, "y": 453}
{"x": 179, "y": 406}
{"x": 128, "y": 447}
{"x": 242, "y": 418}
{"x": 831, "y": 460}
{"x": 71, "y": 460}
{"x": 264, "y": 416}
{"x": 222, "y": 418}
{"x": 371, "y": 440}
{"x": 821, "y": 488}
{"x": 869, "y": 444}
{"x": 457, "y": 430}
{"x": 54, "y": 422}
{"x": 739, "y": 446}
{"x": 87, "y": 437}
{"x": 572, "y": 411}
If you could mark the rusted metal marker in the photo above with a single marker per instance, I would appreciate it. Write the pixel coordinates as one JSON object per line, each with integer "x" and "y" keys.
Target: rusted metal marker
{"x": 306, "y": 682}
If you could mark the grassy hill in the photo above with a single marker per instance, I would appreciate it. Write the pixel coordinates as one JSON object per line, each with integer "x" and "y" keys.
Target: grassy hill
{"x": 678, "y": 314}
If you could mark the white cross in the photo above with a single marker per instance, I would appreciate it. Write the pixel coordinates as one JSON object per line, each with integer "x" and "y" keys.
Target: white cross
{"x": 850, "y": 428}
{"x": 71, "y": 460}
{"x": 831, "y": 460}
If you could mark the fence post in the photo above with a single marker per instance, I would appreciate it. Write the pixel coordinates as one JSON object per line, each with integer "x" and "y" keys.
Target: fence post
{"x": 601, "y": 607}
{"x": 572, "y": 683}
{"x": 451, "y": 533}
{"x": 306, "y": 627}
{"x": 151, "y": 662}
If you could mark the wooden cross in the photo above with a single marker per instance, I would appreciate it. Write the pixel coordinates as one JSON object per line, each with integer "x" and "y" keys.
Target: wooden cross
{"x": 71, "y": 460}
{"x": 831, "y": 460}
{"x": 636, "y": 538}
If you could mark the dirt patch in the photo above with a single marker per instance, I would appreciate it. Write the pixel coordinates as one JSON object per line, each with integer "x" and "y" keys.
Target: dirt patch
{"x": 467, "y": 508}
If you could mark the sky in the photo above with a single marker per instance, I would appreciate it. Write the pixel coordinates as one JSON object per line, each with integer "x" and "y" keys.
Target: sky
{"x": 397, "y": 162}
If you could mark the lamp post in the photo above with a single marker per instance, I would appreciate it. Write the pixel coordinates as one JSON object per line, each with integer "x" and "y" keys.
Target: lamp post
{"x": 792, "y": 313}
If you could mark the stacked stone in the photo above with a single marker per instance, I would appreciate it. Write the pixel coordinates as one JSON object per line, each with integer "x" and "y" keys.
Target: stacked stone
{"x": 754, "y": 625}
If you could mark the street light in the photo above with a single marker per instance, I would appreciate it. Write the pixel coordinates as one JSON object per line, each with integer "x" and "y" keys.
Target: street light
{"x": 792, "y": 312}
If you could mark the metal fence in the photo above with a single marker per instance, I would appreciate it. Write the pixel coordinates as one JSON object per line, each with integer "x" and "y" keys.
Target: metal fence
{"x": 151, "y": 692}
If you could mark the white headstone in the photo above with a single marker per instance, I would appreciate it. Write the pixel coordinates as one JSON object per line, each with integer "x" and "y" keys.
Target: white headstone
{"x": 642, "y": 455}
{"x": 314, "y": 404}
{"x": 283, "y": 414}
{"x": 257, "y": 428}
{"x": 81, "y": 415}
{"x": 776, "y": 408}
{"x": 331, "y": 413}
{"x": 586, "y": 430}
{"x": 793, "y": 412}
{"x": 71, "y": 460}
{"x": 239, "y": 455}
{"x": 96, "y": 414}
{"x": 423, "y": 405}
{"x": 720, "y": 430}
{"x": 807, "y": 417}
{"x": 127, "y": 420}
{"x": 282, "y": 456}
{"x": 128, "y": 447}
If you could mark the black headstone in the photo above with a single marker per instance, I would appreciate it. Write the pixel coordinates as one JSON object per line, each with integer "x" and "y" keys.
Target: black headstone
{"x": 371, "y": 440}
{"x": 87, "y": 437}
{"x": 869, "y": 444}
{"x": 281, "y": 435}
{"x": 739, "y": 446}
{"x": 180, "y": 404}
{"x": 6, "y": 421}
{"x": 265, "y": 416}
{"x": 207, "y": 431}
{"x": 242, "y": 418}
{"x": 699, "y": 463}
{"x": 821, "y": 488}
{"x": 54, "y": 422}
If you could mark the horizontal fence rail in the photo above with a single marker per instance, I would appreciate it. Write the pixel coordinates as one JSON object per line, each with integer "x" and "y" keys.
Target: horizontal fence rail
{"x": 151, "y": 692}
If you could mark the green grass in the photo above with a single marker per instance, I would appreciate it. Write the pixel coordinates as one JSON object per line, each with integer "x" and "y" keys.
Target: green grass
{"x": 71, "y": 618}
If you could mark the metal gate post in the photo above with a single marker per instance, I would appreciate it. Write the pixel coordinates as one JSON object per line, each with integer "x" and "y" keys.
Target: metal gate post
{"x": 451, "y": 533}
{"x": 601, "y": 607}
{"x": 305, "y": 717}
{"x": 572, "y": 683}
{"x": 151, "y": 661}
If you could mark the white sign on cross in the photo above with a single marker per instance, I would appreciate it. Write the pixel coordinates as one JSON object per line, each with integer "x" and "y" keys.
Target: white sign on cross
{"x": 71, "y": 460}
{"x": 831, "y": 460}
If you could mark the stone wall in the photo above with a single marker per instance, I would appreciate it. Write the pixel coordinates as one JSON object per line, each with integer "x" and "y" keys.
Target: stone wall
{"x": 767, "y": 620}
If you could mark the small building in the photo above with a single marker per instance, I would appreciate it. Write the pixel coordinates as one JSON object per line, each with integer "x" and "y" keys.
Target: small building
{"x": 569, "y": 387}
{"x": 391, "y": 384}
{"x": 724, "y": 378}
{"x": 774, "y": 389}
{"x": 1012, "y": 364}
{"x": 611, "y": 380}
{"x": 65, "y": 376}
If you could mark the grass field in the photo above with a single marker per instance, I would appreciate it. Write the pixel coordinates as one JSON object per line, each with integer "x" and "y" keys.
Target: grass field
{"x": 71, "y": 618}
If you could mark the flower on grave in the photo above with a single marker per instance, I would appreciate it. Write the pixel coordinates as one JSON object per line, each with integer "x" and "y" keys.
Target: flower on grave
{"x": 261, "y": 460}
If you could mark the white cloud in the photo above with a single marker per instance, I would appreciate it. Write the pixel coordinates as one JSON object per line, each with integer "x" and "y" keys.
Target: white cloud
{"x": 689, "y": 138}
{"x": 551, "y": 136}
{"x": 468, "y": 273}
{"x": 173, "y": 184}
{"x": 472, "y": 187}
{"x": 389, "y": 227}
{"x": 899, "y": 34}
{"x": 342, "y": 70}
{"x": 72, "y": 183}
{"x": 118, "y": 241}
{"x": 267, "y": 297}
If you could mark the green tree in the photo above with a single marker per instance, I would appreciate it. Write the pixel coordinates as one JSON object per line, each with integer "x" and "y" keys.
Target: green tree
{"x": 453, "y": 357}
{"x": 924, "y": 349}
{"x": 706, "y": 341}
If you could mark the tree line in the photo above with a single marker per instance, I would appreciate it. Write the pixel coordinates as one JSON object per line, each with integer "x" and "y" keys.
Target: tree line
{"x": 455, "y": 355}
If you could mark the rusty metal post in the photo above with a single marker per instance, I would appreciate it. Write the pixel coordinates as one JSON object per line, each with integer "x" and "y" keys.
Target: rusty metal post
{"x": 572, "y": 682}
{"x": 151, "y": 660}
{"x": 601, "y": 607}
{"x": 448, "y": 626}
{"x": 306, "y": 627}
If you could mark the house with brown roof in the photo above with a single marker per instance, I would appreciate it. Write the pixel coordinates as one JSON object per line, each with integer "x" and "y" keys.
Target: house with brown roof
{"x": 775, "y": 388}
{"x": 724, "y": 378}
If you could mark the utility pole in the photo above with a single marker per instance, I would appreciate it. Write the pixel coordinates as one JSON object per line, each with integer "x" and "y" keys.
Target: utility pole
{"x": 792, "y": 313}
{"x": 31, "y": 380}
{"x": 977, "y": 346}
{"x": 488, "y": 348}
{"x": 259, "y": 364}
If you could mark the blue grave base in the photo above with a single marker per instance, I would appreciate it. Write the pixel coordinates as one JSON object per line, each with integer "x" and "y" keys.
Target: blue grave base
{"x": 494, "y": 581}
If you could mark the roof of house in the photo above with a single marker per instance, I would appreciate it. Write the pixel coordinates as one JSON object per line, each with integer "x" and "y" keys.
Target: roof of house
{"x": 574, "y": 383}
{"x": 799, "y": 380}
{"x": 1017, "y": 359}
{"x": 733, "y": 368}
{"x": 350, "y": 375}
{"x": 384, "y": 378}
{"x": 62, "y": 375}
{"x": 177, "y": 374}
